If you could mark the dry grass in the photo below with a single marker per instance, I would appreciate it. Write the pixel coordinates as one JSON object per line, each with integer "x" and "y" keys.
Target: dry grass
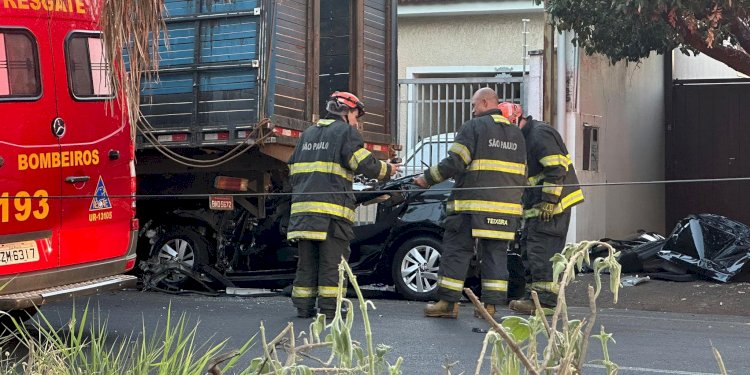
{"x": 131, "y": 28}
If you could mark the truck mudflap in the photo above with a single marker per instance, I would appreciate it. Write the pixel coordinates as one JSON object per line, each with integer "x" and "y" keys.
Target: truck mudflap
{"x": 23, "y": 300}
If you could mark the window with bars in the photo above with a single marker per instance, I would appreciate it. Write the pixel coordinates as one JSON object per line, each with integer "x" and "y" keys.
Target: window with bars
{"x": 19, "y": 65}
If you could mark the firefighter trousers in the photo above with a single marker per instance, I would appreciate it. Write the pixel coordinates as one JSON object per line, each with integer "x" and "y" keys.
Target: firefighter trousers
{"x": 458, "y": 249}
{"x": 317, "y": 275}
{"x": 539, "y": 242}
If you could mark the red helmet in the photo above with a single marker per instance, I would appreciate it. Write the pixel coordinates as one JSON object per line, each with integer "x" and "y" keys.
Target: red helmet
{"x": 340, "y": 100}
{"x": 511, "y": 111}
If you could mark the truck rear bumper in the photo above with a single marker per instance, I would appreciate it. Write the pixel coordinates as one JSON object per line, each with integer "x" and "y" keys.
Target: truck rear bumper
{"x": 36, "y": 288}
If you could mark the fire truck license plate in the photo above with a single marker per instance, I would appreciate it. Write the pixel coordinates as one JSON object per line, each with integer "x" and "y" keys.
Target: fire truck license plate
{"x": 18, "y": 252}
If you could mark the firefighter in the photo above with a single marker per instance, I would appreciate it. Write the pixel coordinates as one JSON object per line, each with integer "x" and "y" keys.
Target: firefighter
{"x": 488, "y": 152}
{"x": 325, "y": 160}
{"x": 547, "y": 206}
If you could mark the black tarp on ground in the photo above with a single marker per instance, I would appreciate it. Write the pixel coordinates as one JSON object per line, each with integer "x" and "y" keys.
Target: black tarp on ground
{"x": 706, "y": 245}
{"x": 712, "y": 246}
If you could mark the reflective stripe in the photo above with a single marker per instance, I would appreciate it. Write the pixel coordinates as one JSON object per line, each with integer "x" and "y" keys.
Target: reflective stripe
{"x": 493, "y": 234}
{"x": 565, "y": 203}
{"x": 500, "y": 119}
{"x": 498, "y": 166}
{"x": 383, "y": 170}
{"x": 306, "y": 235}
{"x": 557, "y": 159}
{"x": 328, "y": 291}
{"x": 546, "y": 286}
{"x": 435, "y": 174}
{"x": 495, "y": 285}
{"x": 487, "y": 206}
{"x": 535, "y": 179}
{"x": 461, "y": 151}
{"x": 552, "y": 189}
{"x": 570, "y": 200}
{"x": 322, "y": 167}
{"x": 452, "y": 284}
{"x": 303, "y": 292}
{"x": 357, "y": 158}
{"x": 325, "y": 122}
{"x": 323, "y": 208}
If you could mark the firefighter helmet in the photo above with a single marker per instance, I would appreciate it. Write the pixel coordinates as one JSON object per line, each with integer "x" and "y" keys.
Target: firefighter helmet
{"x": 511, "y": 111}
{"x": 340, "y": 103}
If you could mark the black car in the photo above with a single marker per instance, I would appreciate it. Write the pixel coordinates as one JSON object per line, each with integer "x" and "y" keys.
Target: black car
{"x": 400, "y": 247}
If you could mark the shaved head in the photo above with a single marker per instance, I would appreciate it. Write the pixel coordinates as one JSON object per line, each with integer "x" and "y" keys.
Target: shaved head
{"x": 485, "y": 99}
{"x": 487, "y": 94}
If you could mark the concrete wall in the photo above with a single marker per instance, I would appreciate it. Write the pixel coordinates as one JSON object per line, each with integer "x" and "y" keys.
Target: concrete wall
{"x": 490, "y": 40}
{"x": 701, "y": 67}
{"x": 626, "y": 102}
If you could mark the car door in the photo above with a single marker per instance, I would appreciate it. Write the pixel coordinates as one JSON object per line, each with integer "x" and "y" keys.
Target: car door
{"x": 29, "y": 180}
{"x": 96, "y": 147}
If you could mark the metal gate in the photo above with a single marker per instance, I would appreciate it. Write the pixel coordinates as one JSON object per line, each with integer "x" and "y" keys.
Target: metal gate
{"x": 707, "y": 139}
{"x": 430, "y": 112}
{"x": 432, "y": 109}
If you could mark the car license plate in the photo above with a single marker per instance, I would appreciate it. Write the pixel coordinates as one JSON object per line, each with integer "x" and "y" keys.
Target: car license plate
{"x": 18, "y": 252}
{"x": 221, "y": 203}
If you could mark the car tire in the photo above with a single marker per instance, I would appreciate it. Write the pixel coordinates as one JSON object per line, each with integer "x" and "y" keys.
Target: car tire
{"x": 415, "y": 266}
{"x": 185, "y": 245}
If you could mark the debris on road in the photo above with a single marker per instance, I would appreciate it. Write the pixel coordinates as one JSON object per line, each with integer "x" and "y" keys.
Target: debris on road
{"x": 633, "y": 280}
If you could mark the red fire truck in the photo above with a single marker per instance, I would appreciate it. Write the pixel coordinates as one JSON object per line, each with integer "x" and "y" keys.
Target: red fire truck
{"x": 67, "y": 175}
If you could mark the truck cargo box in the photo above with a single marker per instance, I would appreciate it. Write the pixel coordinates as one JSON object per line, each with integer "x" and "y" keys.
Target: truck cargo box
{"x": 230, "y": 63}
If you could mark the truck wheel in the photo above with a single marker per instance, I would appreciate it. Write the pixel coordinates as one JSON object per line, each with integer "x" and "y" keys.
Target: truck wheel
{"x": 415, "y": 268}
{"x": 181, "y": 245}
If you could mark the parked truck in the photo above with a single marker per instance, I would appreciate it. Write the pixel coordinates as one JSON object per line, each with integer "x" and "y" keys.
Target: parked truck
{"x": 238, "y": 82}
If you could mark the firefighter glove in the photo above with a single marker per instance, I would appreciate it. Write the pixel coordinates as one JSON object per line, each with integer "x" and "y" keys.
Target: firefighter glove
{"x": 546, "y": 210}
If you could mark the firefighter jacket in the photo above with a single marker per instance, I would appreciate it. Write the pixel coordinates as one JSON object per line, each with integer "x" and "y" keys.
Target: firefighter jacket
{"x": 549, "y": 167}
{"x": 325, "y": 160}
{"x": 488, "y": 151}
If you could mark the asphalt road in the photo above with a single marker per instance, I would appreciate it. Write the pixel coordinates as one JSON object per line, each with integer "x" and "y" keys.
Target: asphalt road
{"x": 647, "y": 342}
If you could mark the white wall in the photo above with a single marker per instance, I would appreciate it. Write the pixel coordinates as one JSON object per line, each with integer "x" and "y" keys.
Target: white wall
{"x": 701, "y": 67}
{"x": 486, "y": 40}
{"x": 626, "y": 101}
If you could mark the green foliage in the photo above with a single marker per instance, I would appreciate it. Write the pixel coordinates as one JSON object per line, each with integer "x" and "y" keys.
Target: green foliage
{"x": 85, "y": 347}
{"x": 631, "y": 29}
{"x": 515, "y": 350}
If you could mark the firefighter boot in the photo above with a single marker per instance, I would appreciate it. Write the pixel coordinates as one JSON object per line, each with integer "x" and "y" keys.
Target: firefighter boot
{"x": 526, "y": 306}
{"x": 490, "y": 309}
{"x": 442, "y": 309}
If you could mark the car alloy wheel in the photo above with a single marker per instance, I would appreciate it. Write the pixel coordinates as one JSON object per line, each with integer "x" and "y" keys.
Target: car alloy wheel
{"x": 419, "y": 268}
{"x": 177, "y": 250}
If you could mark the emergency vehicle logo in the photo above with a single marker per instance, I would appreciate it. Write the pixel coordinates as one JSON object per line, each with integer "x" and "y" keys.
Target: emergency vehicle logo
{"x": 101, "y": 199}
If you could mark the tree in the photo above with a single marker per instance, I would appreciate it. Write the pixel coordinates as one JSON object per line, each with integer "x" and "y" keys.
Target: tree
{"x": 631, "y": 29}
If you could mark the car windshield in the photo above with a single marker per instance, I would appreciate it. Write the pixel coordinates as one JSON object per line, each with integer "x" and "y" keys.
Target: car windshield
{"x": 429, "y": 151}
